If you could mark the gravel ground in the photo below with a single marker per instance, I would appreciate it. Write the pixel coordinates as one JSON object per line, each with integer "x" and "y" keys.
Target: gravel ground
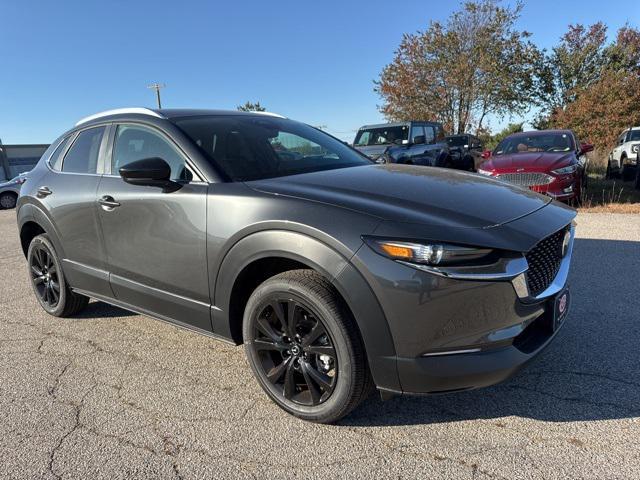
{"x": 113, "y": 394}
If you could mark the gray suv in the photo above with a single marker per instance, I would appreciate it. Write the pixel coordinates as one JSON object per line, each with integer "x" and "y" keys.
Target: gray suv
{"x": 338, "y": 275}
{"x": 410, "y": 143}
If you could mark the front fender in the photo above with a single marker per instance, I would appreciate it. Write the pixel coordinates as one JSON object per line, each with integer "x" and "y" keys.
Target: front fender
{"x": 336, "y": 267}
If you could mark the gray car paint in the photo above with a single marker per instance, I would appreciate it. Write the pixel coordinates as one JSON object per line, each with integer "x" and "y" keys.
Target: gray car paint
{"x": 177, "y": 255}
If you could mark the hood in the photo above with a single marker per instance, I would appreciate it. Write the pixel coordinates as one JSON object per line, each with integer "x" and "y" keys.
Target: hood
{"x": 372, "y": 151}
{"x": 529, "y": 161}
{"x": 413, "y": 194}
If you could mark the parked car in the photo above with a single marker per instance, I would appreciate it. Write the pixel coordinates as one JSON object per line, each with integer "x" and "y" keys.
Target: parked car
{"x": 552, "y": 162}
{"x": 466, "y": 151}
{"x": 623, "y": 158}
{"x": 10, "y": 190}
{"x": 335, "y": 273}
{"x": 411, "y": 143}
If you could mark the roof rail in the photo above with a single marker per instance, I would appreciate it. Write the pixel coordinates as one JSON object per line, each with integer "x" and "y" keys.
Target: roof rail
{"x": 115, "y": 111}
{"x": 270, "y": 114}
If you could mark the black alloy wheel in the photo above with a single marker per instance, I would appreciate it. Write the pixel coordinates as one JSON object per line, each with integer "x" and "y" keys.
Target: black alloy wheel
{"x": 48, "y": 281}
{"x": 304, "y": 347}
{"x": 44, "y": 275}
{"x": 7, "y": 201}
{"x": 296, "y": 352}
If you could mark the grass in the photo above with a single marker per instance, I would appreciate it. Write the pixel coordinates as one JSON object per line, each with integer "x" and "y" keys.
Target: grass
{"x": 609, "y": 196}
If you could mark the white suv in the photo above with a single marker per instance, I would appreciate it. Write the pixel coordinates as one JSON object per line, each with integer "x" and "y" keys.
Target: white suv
{"x": 623, "y": 158}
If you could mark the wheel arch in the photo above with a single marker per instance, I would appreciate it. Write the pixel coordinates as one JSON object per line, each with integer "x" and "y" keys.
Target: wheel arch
{"x": 272, "y": 252}
{"x": 32, "y": 221}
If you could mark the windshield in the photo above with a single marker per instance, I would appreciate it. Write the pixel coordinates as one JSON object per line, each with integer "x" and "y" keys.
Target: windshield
{"x": 382, "y": 135}
{"x": 634, "y": 136}
{"x": 457, "y": 141}
{"x": 545, "y": 142}
{"x": 252, "y": 148}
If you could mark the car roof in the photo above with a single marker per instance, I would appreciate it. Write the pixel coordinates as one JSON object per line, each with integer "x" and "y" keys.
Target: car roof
{"x": 165, "y": 113}
{"x": 397, "y": 124}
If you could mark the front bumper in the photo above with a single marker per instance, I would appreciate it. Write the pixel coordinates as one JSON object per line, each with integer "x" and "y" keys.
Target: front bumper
{"x": 457, "y": 334}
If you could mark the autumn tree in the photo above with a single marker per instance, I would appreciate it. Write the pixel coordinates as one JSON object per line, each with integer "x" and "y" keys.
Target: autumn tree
{"x": 251, "y": 107}
{"x": 595, "y": 88}
{"x": 459, "y": 71}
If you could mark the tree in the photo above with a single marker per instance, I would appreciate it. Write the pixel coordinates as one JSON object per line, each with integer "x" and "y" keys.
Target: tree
{"x": 603, "y": 110}
{"x": 458, "y": 72}
{"x": 494, "y": 140}
{"x": 251, "y": 107}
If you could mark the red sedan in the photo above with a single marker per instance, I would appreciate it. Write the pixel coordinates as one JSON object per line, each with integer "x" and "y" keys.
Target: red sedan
{"x": 552, "y": 162}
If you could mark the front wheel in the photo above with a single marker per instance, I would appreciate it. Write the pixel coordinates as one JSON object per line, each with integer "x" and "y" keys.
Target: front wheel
{"x": 48, "y": 281}
{"x": 304, "y": 347}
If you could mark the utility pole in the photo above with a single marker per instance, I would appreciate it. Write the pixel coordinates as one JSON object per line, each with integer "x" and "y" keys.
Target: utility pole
{"x": 157, "y": 87}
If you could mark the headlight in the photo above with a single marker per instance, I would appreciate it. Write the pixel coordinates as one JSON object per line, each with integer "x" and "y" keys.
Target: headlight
{"x": 565, "y": 170}
{"x": 634, "y": 148}
{"x": 485, "y": 172}
{"x": 427, "y": 253}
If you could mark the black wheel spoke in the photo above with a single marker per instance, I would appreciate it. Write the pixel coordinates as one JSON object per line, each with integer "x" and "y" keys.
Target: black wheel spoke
{"x": 316, "y": 332}
{"x": 36, "y": 271}
{"x": 38, "y": 280}
{"x": 314, "y": 391}
{"x": 268, "y": 345}
{"x": 54, "y": 285}
{"x": 280, "y": 315}
{"x": 289, "y": 381}
{"x": 276, "y": 373}
{"x": 265, "y": 327}
{"x": 324, "y": 381}
{"x": 322, "y": 350}
{"x": 293, "y": 315}
{"x": 53, "y": 269}
{"x": 53, "y": 294}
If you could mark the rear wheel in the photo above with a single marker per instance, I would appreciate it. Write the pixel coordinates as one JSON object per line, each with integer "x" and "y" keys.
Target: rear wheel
{"x": 304, "y": 348}
{"x": 636, "y": 182}
{"x": 8, "y": 200}
{"x": 48, "y": 282}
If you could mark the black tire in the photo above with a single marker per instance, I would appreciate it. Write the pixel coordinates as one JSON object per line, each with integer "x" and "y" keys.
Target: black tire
{"x": 48, "y": 281}
{"x": 8, "y": 200}
{"x": 317, "y": 309}
{"x": 625, "y": 172}
{"x": 608, "y": 175}
{"x": 636, "y": 181}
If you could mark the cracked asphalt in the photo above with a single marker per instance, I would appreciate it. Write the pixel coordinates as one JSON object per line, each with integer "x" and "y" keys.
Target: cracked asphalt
{"x": 112, "y": 394}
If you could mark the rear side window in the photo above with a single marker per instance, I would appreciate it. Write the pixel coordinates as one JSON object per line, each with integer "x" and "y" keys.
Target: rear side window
{"x": 429, "y": 134}
{"x": 55, "y": 161}
{"x": 82, "y": 157}
{"x": 416, "y": 132}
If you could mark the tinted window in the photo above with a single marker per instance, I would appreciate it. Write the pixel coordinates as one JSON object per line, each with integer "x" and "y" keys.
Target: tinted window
{"x": 415, "y": 132}
{"x": 457, "y": 141}
{"x": 382, "y": 135}
{"x": 429, "y": 134}
{"x": 251, "y": 148}
{"x": 55, "y": 161}
{"x": 135, "y": 142}
{"x": 82, "y": 157}
{"x": 634, "y": 135}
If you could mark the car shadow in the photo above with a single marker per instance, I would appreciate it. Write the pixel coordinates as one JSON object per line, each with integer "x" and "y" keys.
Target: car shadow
{"x": 98, "y": 309}
{"x": 591, "y": 371}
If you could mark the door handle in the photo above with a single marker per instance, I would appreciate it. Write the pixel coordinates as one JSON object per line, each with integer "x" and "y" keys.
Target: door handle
{"x": 44, "y": 191}
{"x": 108, "y": 203}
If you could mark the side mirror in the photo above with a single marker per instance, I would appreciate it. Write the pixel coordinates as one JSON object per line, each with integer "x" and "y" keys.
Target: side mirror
{"x": 154, "y": 172}
{"x": 586, "y": 147}
{"x": 486, "y": 154}
{"x": 419, "y": 139}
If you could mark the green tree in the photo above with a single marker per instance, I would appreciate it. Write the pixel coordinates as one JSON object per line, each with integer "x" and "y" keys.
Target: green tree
{"x": 494, "y": 140}
{"x": 251, "y": 107}
{"x": 457, "y": 72}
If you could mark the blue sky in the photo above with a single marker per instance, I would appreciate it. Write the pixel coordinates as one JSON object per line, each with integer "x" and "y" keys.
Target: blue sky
{"x": 311, "y": 61}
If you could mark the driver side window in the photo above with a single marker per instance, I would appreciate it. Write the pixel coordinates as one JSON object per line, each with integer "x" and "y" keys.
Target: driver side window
{"x": 136, "y": 142}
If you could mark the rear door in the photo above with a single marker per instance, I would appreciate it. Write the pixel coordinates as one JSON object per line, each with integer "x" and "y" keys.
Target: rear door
{"x": 69, "y": 194}
{"x": 155, "y": 240}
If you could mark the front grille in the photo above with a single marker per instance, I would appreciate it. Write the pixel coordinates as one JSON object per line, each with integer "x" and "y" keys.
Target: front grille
{"x": 544, "y": 262}
{"x": 526, "y": 179}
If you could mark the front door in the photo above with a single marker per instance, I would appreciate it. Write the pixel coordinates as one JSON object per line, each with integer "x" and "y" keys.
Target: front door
{"x": 155, "y": 240}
